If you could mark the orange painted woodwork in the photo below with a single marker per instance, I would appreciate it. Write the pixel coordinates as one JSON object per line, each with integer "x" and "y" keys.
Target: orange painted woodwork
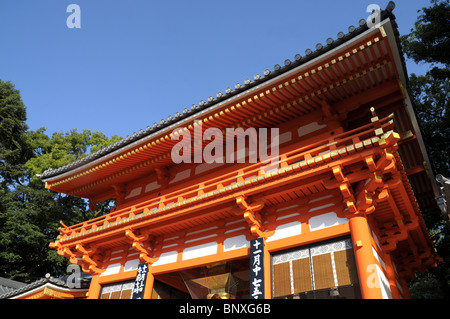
{"x": 351, "y": 162}
{"x": 48, "y": 288}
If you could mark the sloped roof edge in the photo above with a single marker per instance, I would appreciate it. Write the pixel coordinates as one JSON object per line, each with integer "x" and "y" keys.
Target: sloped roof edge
{"x": 258, "y": 79}
{"x": 27, "y": 289}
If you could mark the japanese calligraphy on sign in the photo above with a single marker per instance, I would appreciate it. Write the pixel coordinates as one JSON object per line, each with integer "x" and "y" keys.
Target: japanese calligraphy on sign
{"x": 139, "y": 284}
{"x": 257, "y": 268}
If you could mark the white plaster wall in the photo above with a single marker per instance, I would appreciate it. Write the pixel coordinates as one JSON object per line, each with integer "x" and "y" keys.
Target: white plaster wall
{"x": 181, "y": 175}
{"x": 309, "y": 128}
{"x": 166, "y": 258}
{"x": 134, "y": 192}
{"x": 112, "y": 269}
{"x": 384, "y": 284}
{"x": 286, "y": 230}
{"x": 131, "y": 265}
{"x": 200, "y": 251}
{"x": 325, "y": 220}
{"x": 235, "y": 243}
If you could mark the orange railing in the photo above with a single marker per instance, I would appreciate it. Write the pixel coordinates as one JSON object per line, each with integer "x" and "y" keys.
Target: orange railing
{"x": 354, "y": 140}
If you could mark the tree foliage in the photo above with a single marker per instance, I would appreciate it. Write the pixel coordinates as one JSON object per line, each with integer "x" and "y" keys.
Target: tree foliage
{"x": 428, "y": 43}
{"x": 14, "y": 150}
{"x": 30, "y": 215}
{"x": 429, "y": 40}
{"x": 431, "y": 96}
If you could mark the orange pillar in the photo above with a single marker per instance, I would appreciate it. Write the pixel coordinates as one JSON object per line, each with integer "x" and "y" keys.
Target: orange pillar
{"x": 365, "y": 260}
{"x": 405, "y": 289}
{"x": 149, "y": 284}
{"x": 94, "y": 288}
{"x": 391, "y": 276}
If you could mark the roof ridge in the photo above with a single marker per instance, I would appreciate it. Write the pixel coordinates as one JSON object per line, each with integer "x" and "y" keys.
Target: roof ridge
{"x": 229, "y": 92}
{"x": 27, "y": 287}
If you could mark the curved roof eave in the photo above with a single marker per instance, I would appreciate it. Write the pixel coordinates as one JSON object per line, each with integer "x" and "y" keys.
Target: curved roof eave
{"x": 207, "y": 106}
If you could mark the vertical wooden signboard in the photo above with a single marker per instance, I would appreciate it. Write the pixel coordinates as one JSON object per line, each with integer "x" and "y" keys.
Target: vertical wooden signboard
{"x": 257, "y": 268}
{"x": 139, "y": 284}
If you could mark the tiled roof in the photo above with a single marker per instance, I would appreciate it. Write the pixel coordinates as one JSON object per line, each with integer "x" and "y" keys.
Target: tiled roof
{"x": 248, "y": 83}
{"x": 21, "y": 288}
{"x": 8, "y": 285}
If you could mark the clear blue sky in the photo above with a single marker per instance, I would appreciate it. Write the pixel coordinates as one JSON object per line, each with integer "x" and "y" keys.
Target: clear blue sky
{"x": 135, "y": 62}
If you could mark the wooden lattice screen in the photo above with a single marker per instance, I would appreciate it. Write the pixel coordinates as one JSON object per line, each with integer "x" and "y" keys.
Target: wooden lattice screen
{"x": 321, "y": 266}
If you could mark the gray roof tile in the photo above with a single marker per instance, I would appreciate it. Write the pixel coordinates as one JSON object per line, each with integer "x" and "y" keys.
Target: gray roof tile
{"x": 202, "y": 104}
{"x": 21, "y": 288}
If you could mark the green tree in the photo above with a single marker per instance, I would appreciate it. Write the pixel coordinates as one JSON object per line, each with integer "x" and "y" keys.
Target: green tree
{"x": 429, "y": 39}
{"x": 30, "y": 215}
{"x": 431, "y": 97}
{"x": 428, "y": 43}
{"x": 62, "y": 148}
{"x": 14, "y": 150}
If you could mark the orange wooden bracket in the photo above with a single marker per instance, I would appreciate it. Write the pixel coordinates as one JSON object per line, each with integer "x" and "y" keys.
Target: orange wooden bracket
{"x": 338, "y": 174}
{"x": 93, "y": 206}
{"x": 371, "y": 164}
{"x": 84, "y": 251}
{"x": 129, "y": 233}
{"x": 162, "y": 176}
{"x": 120, "y": 192}
{"x": 66, "y": 252}
{"x": 95, "y": 270}
{"x": 359, "y": 200}
{"x": 254, "y": 207}
{"x": 88, "y": 264}
{"x": 251, "y": 215}
{"x": 389, "y": 139}
{"x": 145, "y": 254}
{"x": 374, "y": 182}
{"x": 346, "y": 191}
{"x": 89, "y": 260}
